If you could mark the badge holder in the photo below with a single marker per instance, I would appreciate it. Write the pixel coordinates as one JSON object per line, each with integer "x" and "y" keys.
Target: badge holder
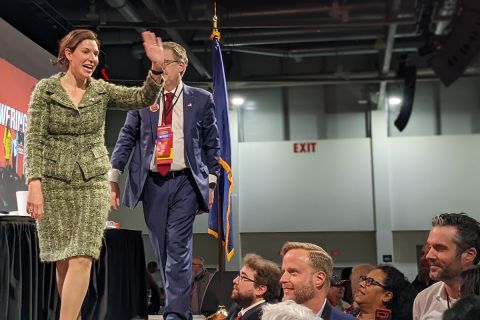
{"x": 164, "y": 145}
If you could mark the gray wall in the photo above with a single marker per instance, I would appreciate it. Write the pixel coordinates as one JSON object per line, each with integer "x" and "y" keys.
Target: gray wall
{"x": 433, "y": 174}
{"x": 283, "y": 191}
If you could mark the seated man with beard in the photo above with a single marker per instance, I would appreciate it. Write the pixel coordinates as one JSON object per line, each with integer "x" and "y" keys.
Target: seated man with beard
{"x": 454, "y": 242}
{"x": 256, "y": 284}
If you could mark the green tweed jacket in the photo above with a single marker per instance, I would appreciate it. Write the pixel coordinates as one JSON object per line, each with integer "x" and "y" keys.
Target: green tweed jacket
{"x": 61, "y": 135}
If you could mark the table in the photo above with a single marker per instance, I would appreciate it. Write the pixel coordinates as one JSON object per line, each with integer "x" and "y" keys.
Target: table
{"x": 28, "y": 288}
{"x": 118, "y": 287}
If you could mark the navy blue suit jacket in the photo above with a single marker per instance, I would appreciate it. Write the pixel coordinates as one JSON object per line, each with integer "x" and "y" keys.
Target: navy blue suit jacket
{"x": 202, "y": 145}
{"x": 331, "y": 313}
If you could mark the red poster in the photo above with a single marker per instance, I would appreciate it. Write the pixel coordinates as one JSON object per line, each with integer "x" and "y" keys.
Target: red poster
{"x": 15, "y": 90}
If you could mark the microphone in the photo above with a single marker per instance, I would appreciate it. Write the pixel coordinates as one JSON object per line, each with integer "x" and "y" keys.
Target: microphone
{"x": 383, "y": 314}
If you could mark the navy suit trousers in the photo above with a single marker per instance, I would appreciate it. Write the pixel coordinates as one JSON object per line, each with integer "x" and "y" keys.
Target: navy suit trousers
{"x": 170, "y": 206}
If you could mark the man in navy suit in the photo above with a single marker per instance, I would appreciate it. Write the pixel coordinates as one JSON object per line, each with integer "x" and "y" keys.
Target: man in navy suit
{"x": 307, "y": 270}
{"x": 174, "y": 148}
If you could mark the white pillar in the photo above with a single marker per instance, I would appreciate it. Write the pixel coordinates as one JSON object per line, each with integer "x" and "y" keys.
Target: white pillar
{"x": 381, "y": 186}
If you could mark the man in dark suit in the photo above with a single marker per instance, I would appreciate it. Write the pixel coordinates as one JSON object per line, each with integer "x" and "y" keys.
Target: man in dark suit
{"x": 307, "y": 270}
{"x": 173, "y": 170}
{"x": 256, "y": 284}
{"x": 200, "y": 279}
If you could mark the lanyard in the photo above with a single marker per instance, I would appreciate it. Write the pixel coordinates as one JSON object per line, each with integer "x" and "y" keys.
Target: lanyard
{"x": 448, "y": 299}
{"x": 165, "y": 110}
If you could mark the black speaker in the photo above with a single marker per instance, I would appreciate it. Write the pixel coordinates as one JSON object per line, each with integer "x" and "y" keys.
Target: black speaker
{"x": 462, "y": 45}
{"x": 410, "y": 75}
{"x": 471, "y": 5}
{"x": 218, "y": 292}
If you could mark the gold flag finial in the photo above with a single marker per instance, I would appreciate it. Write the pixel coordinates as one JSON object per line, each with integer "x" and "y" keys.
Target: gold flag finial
{"x": 215, "y": 32}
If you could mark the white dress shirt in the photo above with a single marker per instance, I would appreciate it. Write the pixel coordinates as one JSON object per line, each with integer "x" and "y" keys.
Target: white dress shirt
{"x": 177, "y": 128}
{"x": 178, "y": 138}
{"x": 431, "y": 303}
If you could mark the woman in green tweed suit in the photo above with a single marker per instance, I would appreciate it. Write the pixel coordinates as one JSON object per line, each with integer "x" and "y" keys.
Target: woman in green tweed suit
{"x": 67, "y": 161}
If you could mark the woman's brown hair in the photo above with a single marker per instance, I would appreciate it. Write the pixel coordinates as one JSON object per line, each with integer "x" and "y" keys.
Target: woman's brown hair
{"x": 71, "y": 41}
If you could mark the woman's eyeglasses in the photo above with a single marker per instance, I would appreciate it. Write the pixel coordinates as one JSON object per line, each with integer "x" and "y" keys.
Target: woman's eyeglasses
{"x": 371, "y": 282}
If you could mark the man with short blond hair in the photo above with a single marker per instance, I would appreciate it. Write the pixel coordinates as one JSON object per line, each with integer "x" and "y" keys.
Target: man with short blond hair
{"x": 307, "y": 269}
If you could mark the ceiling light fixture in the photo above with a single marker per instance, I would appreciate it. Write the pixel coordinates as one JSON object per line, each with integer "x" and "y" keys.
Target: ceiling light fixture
{"x": 238, "y": 101}
{"x": 394, "y": 101}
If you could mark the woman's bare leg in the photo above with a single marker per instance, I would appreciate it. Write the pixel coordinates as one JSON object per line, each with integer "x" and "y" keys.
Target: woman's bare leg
{"x": 75, "y": 287}
{"x": 61, "y": 271}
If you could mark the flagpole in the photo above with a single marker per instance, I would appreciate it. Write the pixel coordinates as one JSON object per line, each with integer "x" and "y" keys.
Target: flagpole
{"x": 221, "y": 259}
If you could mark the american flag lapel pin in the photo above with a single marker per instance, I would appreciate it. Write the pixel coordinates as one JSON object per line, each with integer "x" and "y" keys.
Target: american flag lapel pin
{"x": 154, "y": 107}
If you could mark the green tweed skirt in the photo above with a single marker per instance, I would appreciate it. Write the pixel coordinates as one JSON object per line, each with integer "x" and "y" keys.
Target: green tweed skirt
{"x": 74, "y": 216}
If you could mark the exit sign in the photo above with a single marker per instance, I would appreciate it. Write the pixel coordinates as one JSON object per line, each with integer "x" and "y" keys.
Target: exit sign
{"x": 304, "y": 147}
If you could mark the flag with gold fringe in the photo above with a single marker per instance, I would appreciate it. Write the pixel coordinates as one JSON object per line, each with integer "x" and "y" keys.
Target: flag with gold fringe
{"x": 220, "y": 217}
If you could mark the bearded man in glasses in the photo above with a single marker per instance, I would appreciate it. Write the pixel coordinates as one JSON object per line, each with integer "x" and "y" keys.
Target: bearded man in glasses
{"x": 256, "y": 284}
{"x": 454, "y": 243}
{"x": 307, "y": 270}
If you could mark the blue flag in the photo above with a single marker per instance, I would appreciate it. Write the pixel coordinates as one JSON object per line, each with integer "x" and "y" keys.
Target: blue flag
{"x": 222, "y": 204}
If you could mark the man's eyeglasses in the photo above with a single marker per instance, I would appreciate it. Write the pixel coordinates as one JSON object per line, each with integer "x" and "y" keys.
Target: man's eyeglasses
{"x": 244, "y": 278}
{"x": 167, "y": 62}
{"x": 371, "y": 282}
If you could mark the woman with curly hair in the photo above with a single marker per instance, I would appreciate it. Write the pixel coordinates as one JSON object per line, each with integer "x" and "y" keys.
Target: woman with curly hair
{"x": 470, "y": 281}
{"x": 385, "y": 287}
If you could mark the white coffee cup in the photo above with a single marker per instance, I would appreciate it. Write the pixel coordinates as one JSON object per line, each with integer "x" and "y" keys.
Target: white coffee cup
{"x": 22, "y": 202}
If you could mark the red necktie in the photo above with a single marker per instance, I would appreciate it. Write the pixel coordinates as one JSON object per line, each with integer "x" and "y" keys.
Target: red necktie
{"x": 163, "y": 169}
{"x": 167, "y": 108}
{"x": 239, "y": 316}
